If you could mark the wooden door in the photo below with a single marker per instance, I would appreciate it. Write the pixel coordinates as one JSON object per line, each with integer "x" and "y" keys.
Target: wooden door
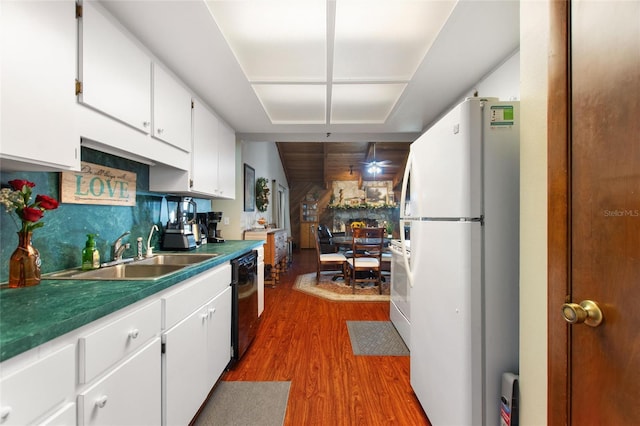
{"x": 594, "y": 216}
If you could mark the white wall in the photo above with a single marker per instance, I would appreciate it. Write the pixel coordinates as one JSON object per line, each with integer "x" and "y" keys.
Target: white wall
{"x": 264, "y": 158}
{"x": 534, "y": 49}
{"x": 503, "y": 82}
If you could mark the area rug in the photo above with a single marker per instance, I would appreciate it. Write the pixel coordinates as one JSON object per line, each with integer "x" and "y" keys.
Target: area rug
{"x": 246, "y": 403}
{"x": 376, "y": 338}
{"x": 337, "y": 290}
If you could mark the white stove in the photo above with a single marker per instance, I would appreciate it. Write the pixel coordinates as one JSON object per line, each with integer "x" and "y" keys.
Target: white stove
{"x": 400, "y": 290}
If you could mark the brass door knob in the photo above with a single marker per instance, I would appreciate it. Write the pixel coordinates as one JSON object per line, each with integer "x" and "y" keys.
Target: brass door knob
{"x": 587, "y": 312}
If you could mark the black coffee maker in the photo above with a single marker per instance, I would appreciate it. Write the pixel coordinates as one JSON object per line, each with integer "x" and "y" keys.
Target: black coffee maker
{"x": 213, "y": 234}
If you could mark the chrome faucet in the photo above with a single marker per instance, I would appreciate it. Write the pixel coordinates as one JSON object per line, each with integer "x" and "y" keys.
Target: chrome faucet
{"x": 117, "y": 248}
{"x": 149, "y": 248}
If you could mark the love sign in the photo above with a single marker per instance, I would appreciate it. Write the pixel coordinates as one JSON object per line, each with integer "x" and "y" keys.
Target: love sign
{"x": 96, "y": 184}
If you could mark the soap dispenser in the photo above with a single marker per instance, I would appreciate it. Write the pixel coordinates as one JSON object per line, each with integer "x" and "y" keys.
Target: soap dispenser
{"x": 90, "y": 254}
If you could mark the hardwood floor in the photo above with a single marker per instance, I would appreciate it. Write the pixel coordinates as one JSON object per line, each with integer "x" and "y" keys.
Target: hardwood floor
{"x": 304, "y": 339}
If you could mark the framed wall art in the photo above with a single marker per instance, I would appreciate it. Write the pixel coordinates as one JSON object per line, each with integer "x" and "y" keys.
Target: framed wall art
{"x": 249, "y": 188}
{"x": 376, "y": 195}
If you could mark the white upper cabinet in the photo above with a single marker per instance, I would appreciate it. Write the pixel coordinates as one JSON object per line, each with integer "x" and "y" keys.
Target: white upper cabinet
{"x": 38, "y": 68}
{"x": 226, "y": 161}
{"x": 171, "y": 110}
{"x": 213, "y": 162}
{"x": 204, "y": 169}
{"x": 122, "y": 86}
{"x": 115, "y": 72}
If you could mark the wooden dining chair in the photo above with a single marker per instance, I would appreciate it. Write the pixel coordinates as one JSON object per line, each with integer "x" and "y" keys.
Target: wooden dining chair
{"x": 365, "y": 264}
{"x": 328, "y": 261}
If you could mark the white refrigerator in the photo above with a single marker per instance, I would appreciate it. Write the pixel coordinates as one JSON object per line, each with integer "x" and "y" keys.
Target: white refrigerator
{"x": 462, "y": 186}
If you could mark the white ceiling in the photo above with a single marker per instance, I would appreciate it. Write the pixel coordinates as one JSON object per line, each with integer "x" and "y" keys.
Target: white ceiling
{"x": 476, "y": 38}
{"x": 321, "y": 62}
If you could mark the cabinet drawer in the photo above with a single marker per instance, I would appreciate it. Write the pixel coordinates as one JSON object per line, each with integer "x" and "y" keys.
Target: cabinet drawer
{"x": 105, "y": 346}
{"x": 180, "y": 303}
{"x": 65, "y": 416}
{"x": 32, "y": 391}
{"x": 129, "y": 394}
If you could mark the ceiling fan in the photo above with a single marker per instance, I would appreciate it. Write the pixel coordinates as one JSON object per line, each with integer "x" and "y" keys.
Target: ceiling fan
{"x": 375, "y": 167}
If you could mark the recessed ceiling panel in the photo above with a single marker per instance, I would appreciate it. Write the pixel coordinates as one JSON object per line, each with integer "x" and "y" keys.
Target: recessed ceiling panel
{"x": 276, "y": 40}
{"x": 385, "y": 40}
{"x": 363, "y": 103}
{"x": 293, "y": 103}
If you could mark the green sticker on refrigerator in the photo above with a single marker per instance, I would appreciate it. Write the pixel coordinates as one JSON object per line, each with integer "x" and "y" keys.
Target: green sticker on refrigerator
{"x": 502, "y": 115}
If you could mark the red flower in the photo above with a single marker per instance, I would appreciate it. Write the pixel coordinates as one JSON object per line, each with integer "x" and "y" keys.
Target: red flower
{"x": 18, "y": 201}
{"x": 46, "y": 202}
{"x": 32, "y": 215}
{"x": 18, "y": 184}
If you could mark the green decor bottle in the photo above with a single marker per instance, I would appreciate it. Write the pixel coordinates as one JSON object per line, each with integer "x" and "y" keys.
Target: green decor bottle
{"x": 90, "y": 254}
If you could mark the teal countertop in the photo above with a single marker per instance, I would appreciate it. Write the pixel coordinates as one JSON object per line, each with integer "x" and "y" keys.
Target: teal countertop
{"x": 35, "y": 315}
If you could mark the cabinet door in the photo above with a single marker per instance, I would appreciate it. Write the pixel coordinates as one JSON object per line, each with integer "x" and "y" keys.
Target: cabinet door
{"x": 171, "y": 110}
{"x": 219, "y": 335}
{"x": 39, "y": 387}
{"x": 185, "y": 382}
{"x": 204, "y": 170}
{"x": 38, "y": 68}
{"x": 226, "y": 161}
{"x": 128, "y": 395}
{"x": 115, "y": 72}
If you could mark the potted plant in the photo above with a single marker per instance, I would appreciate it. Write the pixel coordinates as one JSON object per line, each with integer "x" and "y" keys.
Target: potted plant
{"x": 389, "y": 227}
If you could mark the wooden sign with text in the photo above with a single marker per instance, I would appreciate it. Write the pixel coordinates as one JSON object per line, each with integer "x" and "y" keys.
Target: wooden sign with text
{"x": 96, "y": 184}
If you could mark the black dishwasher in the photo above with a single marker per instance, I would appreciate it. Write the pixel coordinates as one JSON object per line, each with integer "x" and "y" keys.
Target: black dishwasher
{"x": 244, "y": 307}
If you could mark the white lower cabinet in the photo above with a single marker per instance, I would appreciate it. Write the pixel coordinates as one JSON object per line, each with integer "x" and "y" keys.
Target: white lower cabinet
{"x": 119, "y": 360}
{"x": 105, "y": 346}
{"x": 184, "y": 362}
{"x": 218, "y": 336}
{"x": 66, "y": 415}
{"x": 34, "y": 391}
{"x": 127, "y": 395}
{"x": 197, "y": 347}
{"x": 150, "y": 363}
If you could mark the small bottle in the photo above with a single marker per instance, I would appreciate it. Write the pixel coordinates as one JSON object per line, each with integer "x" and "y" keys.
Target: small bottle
{"x": 90, "y": 254}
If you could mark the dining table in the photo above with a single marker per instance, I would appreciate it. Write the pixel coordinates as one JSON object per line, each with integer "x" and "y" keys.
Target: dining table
{"x": 346, "y": 241}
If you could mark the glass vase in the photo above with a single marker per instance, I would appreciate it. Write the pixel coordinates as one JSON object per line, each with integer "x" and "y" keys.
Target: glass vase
{"x": 24, "y": 264}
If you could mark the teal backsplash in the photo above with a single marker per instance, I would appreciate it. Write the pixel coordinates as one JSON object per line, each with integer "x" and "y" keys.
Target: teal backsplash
{"x": 61, "y": 240}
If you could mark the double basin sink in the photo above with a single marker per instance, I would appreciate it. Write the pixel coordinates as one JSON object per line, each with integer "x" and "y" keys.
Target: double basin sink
{"x": 150, "y": 268}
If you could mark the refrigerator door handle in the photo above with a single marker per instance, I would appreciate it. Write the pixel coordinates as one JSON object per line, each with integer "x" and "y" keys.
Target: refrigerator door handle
{"x": 403, "y": 202}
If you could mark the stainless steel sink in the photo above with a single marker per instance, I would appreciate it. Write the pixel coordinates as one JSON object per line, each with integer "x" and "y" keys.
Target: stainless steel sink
{"x": 176, "y": 259}
{"x": 127, "y": 271}
{"x": 147, "y": 269}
